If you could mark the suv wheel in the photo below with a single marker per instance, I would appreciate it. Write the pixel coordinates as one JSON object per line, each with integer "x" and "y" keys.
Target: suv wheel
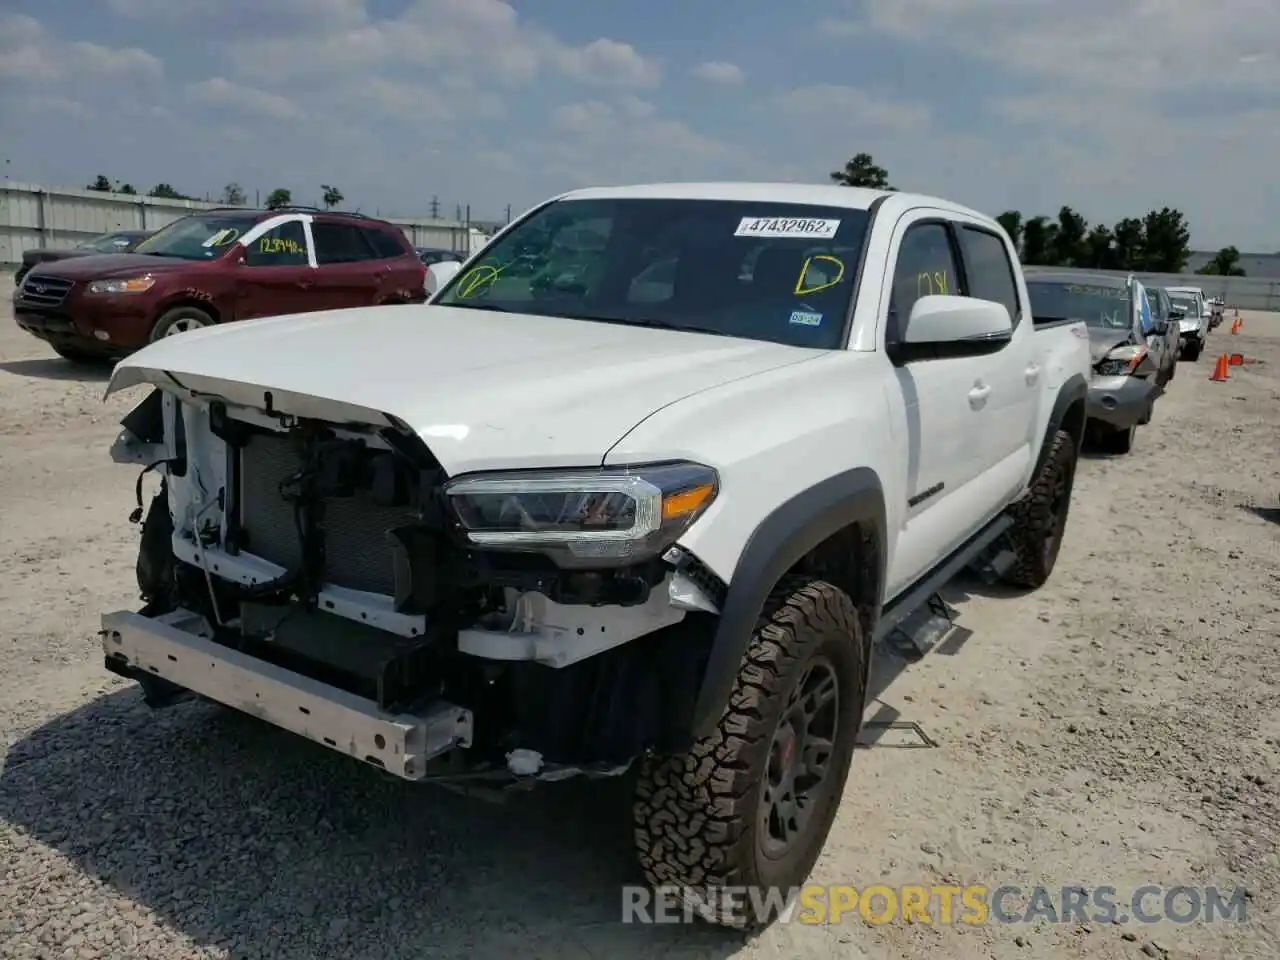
{"x": 1040, "y": 517}
{"x": 180, "y": 320}
{"x": 751, "y": 804}
{"x": 1192, "y": 349}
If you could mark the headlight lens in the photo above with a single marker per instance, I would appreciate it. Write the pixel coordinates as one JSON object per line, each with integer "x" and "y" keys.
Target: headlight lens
{"x": 584, "y": 518}
{"x": 1121, "y": 361}
{"x": 1112, "y": 368}
{"x": 125, "y": 285}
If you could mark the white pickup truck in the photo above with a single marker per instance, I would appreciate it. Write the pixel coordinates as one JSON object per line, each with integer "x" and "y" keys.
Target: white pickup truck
{"x": 639, "y": 486}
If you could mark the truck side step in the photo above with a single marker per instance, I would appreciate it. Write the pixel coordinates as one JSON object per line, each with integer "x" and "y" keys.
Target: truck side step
{"x": 918, "y": 634}
{"x": 898, "y": 611}
{"x": 992, "y": 569}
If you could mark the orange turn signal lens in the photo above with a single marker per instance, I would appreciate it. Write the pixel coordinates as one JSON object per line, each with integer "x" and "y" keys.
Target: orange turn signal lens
{"x": 675, "y": 505}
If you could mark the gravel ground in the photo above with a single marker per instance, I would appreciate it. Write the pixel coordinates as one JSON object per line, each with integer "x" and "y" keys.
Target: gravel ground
{"x": 1119, "y": 726}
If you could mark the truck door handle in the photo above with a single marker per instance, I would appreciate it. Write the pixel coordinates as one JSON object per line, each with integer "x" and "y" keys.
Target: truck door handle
{"x": 305, "y": 284}
{"x": 978, "y": 395}
{"x": 1033, "y": 374}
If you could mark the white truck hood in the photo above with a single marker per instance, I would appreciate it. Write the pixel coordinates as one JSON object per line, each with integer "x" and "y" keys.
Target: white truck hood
{"x": 484, "y": 390}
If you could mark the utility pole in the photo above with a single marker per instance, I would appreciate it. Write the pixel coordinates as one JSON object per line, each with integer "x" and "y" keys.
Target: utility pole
{"x": 508, "y": 213}
{"x": 435, "y": 208}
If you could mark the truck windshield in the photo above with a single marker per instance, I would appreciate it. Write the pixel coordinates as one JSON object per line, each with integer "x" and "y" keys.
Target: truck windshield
{"x": 195, "y": 238}
{"x": 1190, "y": 306}
{"x": 1100, "y": 306}
{"x": 763, "y": 271}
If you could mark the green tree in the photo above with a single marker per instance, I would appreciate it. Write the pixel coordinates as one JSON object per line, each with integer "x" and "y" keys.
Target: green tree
{"x": 128, "y": 189}
{"x": 1130, "y": 241}
{"x": 1225, "y": 263}
{"x": 101, "y": 183}
{"x": 862, "y": 171}
{"x": 1038, "y": 242}
{"x": 1099, "y": 249}
{"x": 332, "y": 196}
{"x": 1168, "y": 241}
{"x": 279, "y": 197}
{"x": 1011, "y": 220}
{"x": 166, "y": 191}
{"x": 1068, "y": 243}
{"x": 233, "y": 195}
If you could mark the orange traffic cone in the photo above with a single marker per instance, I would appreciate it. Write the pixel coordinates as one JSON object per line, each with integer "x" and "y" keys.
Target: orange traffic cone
{"x": 1235, "y": 326}
{"x": 1220, "y": 369}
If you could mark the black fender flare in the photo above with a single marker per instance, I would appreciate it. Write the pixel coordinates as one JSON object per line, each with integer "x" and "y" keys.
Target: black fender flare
{"x": 1074, "y": 389}
{"x": 789, "y": 532}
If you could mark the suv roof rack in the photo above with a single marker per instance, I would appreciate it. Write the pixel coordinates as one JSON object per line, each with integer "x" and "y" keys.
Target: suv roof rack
{"x": 287, "y": 208}
{"x": 303, "y": 208}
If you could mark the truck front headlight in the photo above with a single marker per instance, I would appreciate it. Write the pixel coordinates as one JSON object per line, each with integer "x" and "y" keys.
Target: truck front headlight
{"x": 583, "y": 518}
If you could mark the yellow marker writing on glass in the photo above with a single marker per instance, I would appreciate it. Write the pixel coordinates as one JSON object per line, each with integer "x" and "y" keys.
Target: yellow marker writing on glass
{"x": 801, "y": 289}
{"x": 928, "y": 284}
{"x": 481, "y": 276}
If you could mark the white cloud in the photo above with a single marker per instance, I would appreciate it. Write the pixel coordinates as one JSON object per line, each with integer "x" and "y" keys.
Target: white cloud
{"x": 847, "y": 109}
{"x": 608, "y": 62}
{"x": 588, "y": 118}
{"x": 483, "y": 39}
{"x": 719, "y": 71}
{"x": 218, "y": 91}
{"x": 28, "y": 53}
{"x": 231, "y": 16}
{"x": 1126, "y": 47}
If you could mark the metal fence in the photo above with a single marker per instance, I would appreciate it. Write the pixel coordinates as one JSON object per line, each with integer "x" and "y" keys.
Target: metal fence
{"x": 36, "y": 217}
{"x": 1245, "y": 293}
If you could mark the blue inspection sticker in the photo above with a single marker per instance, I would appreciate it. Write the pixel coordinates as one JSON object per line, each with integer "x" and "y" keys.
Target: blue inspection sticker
{"x": 803, "y": 319}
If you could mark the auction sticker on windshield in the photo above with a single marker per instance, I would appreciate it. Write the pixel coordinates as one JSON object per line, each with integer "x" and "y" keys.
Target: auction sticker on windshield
{"x": 799, "y": 227}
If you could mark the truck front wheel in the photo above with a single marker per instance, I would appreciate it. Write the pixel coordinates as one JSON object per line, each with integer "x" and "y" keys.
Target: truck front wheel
{"x": 1040, "y": 517}
{"x": 734, "y": 825}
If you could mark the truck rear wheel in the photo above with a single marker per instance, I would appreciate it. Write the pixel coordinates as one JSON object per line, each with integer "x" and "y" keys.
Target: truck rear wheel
{"x": 1040, "y": 517}
{"x": 751, "y": 804}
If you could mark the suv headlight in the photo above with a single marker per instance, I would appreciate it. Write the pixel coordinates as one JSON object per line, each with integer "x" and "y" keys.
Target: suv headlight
{"x": 583, "y": 518}
{"x": 1121, "y": 361}
{"x": 124, "y": 285}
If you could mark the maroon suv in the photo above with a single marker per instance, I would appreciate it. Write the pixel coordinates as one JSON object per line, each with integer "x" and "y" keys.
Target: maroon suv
{"x": 215, "y": 267}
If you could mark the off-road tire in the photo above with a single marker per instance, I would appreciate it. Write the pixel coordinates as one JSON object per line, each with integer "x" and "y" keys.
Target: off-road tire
{"x": 171, "y": 318}
{"x": 698, "y": 814}
{"x": 1040, "y": 516}
{"x": 77, "y": 354}
{"x": 1192, "y": 349}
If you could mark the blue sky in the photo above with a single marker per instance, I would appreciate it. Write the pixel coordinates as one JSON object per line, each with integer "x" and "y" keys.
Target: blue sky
{"x": 1110, "y": 106}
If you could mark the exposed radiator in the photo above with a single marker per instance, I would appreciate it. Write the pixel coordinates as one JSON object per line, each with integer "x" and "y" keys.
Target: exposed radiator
{"x": 358, "y": 554}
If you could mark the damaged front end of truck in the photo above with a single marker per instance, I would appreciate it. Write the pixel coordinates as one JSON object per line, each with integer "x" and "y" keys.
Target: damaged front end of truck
{"x": 311, "y": 562}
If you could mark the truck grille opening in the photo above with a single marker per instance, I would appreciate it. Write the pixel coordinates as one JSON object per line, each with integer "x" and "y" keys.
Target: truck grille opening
{"x": 358, "y": 553}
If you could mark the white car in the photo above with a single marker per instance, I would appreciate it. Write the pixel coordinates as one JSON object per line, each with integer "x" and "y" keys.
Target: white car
{"x": 526, "y": 531}
{"x": 1194, "y": 319}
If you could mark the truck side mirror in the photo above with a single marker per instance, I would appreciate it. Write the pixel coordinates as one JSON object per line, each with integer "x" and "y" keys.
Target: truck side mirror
{"x": 941, "y": 327}
{"x": 439, "y": 274}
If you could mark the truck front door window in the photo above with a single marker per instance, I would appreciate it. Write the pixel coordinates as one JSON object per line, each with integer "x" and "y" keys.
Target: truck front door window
{"x": 926, "y": 266}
